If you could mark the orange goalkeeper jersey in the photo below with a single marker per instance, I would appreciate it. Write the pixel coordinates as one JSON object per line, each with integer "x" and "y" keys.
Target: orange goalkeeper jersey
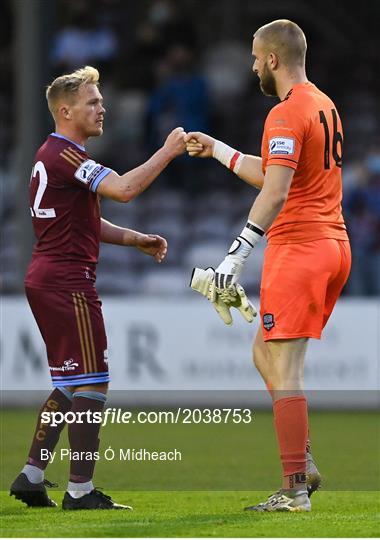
{"x": 304, "y": 132}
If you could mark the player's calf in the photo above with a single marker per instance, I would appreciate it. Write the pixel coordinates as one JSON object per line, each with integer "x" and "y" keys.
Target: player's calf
{"x": 46, "y": 435}
{"x": 30, "y": 486}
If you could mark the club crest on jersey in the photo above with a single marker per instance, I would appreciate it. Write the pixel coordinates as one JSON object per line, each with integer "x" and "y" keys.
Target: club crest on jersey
{"x": 84, "y": 173}
{"x": 281, "y": 145}
{"x": 268, "y": 321}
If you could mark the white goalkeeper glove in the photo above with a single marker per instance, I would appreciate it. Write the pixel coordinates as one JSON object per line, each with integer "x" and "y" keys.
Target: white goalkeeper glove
{"x": 229, "y": 270}
{"x": 203, "y": 281}
{"x": 234, "y": 296}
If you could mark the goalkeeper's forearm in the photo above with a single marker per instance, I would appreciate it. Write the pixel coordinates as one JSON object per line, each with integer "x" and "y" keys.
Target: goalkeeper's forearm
{"x": 247, "y": 167}
{"x": 251, "y": 172}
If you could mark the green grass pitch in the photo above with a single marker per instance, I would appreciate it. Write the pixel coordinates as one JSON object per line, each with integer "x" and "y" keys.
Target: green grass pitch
{"x": 172, "y": 501}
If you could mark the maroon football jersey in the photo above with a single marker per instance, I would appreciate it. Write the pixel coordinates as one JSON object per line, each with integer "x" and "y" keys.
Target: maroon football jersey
{"x": 66, "y": 215}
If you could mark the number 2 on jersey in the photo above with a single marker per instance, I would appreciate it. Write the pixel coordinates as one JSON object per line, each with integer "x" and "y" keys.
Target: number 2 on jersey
{"x": 337, "y": 139}
{"x": 36, "y": 211}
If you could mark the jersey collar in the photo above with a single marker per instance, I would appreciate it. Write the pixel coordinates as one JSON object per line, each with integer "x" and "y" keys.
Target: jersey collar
{"x": 59, "y": 136}
{"x": 295, "y": 87}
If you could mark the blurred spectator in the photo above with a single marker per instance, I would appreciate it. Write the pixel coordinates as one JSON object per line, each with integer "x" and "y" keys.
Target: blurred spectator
{"x": 85, "y": 40}
{"x": 228, "y": 68}
{"x": 180, "y": 99}
{"x": 362, "y": 206}
{"x": 163, "y": 25}
{"x": 173, "y": 22}
{"x": 136, "y": 65}
{"x": 168, "y": 63}
{"x": 372, "y": 160}
{"x": 372, "y": 163}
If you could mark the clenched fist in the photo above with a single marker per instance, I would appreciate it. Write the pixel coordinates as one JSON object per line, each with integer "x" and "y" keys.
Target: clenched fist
{"x": 199, "y": 144}
{"x": 175, "y": 143}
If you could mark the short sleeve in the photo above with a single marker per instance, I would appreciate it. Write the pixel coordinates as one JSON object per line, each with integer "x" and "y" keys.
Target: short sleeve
{"x": 91, "y": 173}
{"x": 77, "y": 168}
{"x": 283, "y": 137}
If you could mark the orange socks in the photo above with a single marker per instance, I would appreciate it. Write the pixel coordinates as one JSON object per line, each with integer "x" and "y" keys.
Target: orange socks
{"x": 291, "y": 422}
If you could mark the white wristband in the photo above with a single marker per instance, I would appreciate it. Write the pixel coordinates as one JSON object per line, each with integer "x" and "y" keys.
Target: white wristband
{"x": 246, "y": 241}
{"x": 228, "y": 156}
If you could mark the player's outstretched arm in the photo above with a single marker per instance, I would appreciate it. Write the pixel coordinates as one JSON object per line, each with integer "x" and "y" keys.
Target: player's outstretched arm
{"x": 126, "y": 187}
{"x": 150, "y": 244}
{"x": 247, "y": 167}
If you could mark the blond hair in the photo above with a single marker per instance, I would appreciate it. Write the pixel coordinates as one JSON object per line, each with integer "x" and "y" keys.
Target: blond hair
{"x": 286, "y": 39}
{"x": 67, "y": 86}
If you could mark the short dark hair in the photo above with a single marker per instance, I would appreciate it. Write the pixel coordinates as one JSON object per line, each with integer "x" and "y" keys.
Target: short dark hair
{"x": 286, "y": 39}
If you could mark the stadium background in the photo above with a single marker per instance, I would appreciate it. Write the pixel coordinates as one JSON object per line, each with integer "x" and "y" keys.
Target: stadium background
{"x": 186, "y": 62}
{"x": 167, "y": 63}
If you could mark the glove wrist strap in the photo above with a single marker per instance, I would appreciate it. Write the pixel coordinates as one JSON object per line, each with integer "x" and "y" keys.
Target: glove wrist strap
{"x": 245, "y": 242}
{"x": 228, "y": 156}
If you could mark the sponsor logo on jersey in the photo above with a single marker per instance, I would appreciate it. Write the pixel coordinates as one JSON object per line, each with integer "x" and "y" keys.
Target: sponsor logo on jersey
{"x": 87, "y": 171}
{"x": 281, "y": 145}
{"x": 268, "y": 321}
{"x": 68, "y": 365}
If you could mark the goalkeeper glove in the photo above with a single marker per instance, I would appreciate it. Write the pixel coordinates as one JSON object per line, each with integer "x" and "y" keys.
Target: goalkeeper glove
{"x": 203, "y": 281}
{"x": 234, "y": 296}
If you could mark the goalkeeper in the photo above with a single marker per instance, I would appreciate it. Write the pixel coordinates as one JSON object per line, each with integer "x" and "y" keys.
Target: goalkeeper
{"x": 307, "y": 260}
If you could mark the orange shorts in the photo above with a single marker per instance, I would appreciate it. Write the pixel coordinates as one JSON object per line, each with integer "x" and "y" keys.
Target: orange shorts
{"x": 300, "y": 285}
